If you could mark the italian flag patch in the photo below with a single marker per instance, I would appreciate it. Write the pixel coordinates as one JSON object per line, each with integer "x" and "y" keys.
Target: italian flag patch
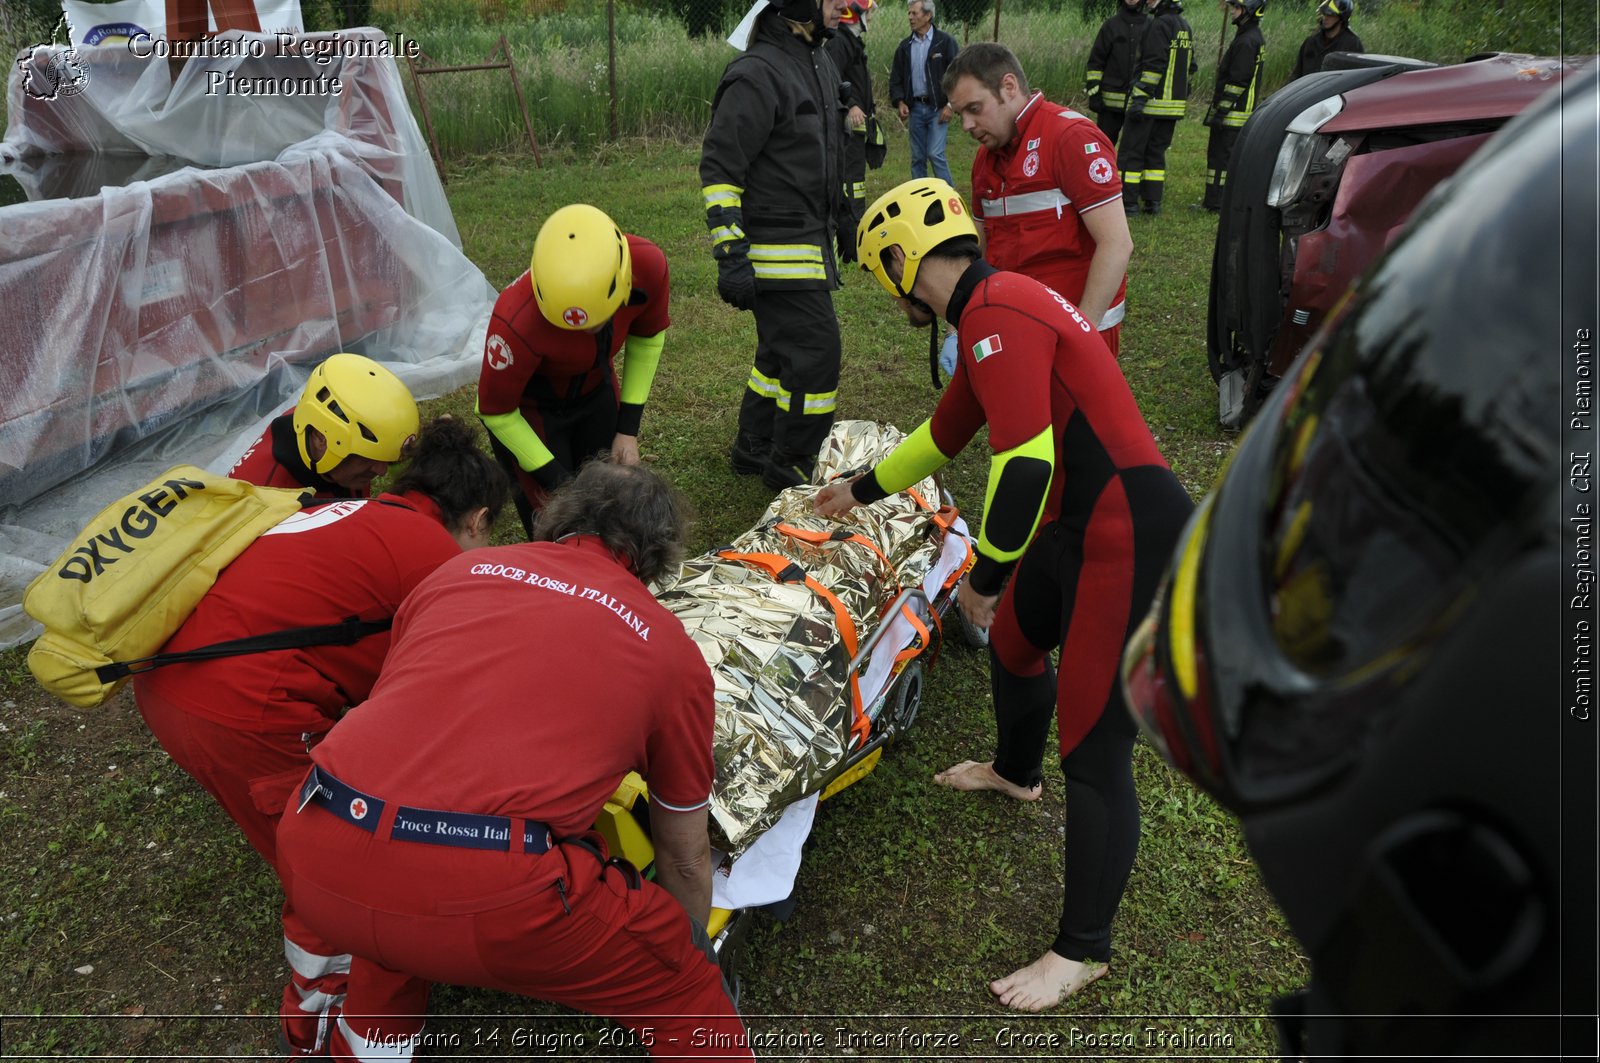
{"x": 985, "y": 347}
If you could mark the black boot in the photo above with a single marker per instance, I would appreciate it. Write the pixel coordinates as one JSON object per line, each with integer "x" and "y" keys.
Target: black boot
{"x": 747, "y": 456}
{"x": 779, "y": 474}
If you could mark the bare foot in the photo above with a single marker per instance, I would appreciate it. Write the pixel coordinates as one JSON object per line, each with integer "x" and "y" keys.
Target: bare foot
{"x": 1046, "y": 982}
{"x": 980, "y": 775}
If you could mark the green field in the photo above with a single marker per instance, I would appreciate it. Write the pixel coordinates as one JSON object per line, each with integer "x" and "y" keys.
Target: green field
{"x": 135, "y": 921}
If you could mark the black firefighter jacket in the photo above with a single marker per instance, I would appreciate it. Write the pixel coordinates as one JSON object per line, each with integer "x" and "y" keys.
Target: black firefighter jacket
{"x": 772, "y": 158}
{"x": 1111, "y": 59}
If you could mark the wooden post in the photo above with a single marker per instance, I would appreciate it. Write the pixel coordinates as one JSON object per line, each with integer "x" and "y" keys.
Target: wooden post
{"x": 611, "y": 62}
{"x": 997, "y": 21}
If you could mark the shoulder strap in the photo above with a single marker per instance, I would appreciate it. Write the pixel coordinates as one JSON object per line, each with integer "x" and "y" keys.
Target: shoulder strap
{"x": 345, "y": 633}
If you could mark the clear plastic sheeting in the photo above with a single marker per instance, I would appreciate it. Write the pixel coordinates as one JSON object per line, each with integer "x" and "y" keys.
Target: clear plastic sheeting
{"x": 189, "y": 257}
{"x": 790, "y": 708}
{"x": 230, "y": 110}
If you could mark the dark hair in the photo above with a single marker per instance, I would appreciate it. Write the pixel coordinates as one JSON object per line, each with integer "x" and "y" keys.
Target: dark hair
{"x": 989, "y": 63}
{"x": 447, "y": 466}
{"x": 964, "y": 247}
{"x": 635, "y": 513}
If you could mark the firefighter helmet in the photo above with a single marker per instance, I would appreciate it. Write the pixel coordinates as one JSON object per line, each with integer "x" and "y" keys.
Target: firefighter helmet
{"x": 1248, "y": 9}
{"x": 359, "y": 407}
{"x": 854, "y": 10}
{"x": 1339, "y": 9}
{"x": 916, "y": 217}
{"x": 582, "y": 271}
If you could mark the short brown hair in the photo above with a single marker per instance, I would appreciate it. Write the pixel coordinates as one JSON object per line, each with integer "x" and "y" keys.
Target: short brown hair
{"x": 639, "y": 517}
{"x": 989, "y": 63}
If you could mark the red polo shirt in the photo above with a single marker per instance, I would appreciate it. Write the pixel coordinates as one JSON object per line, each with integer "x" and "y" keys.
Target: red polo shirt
{"x": 357, "y": 557}
{"x": 1031, "y": 196}
{"x": 526, "y": 681}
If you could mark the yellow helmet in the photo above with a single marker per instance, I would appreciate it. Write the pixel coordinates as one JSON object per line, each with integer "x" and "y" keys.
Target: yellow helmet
{"x": 582, "y": 271}
{"x": 360, "y": 408}
{"x": 916, "y": 216}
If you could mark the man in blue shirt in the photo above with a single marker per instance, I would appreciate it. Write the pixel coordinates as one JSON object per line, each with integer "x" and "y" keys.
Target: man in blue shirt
{"x": 916, "y": 91}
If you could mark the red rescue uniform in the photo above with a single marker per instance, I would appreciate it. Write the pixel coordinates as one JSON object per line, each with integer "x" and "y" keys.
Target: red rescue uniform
{"x": 274, "y": 461}
{"x": 242, "y": 726}
{"x": 1032, "y": 370}
{"x": 453, "y": 734}
{"x": 563, "y": 382}
{"x": 1031, "y": 196}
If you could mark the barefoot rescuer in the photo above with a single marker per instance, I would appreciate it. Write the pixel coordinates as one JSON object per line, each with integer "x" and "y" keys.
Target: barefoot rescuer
{"x": 1080, "y": 512}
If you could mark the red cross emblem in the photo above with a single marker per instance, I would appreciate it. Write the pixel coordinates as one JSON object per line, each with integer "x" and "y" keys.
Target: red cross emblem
{"x": 358, "y": 808}
{"x": 497, "y": 352}
{"x": 575, "y": 317}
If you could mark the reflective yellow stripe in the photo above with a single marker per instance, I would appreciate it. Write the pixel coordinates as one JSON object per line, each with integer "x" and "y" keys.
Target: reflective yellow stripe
{"x": 788, "y": 261}
{"x": 723, "y": 234}
{"x": 786, "y": 252}
{"x": 722, "y": 196}
{"x": 800, "y": 271}
{"x": 763, "y": 385}
{"x": 1155, "y": 175}
{"x": 826, "y": 402}
{"x": 1115, "y": 99}
{"x": 1096, "y": 75}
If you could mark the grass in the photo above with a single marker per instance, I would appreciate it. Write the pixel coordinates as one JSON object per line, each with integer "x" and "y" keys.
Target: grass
{"x": 911, "y": 897}
{"x": 136, "y": 921}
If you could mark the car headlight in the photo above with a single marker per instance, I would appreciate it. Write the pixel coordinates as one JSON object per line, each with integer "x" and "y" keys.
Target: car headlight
{"x": 1300, "y": 146}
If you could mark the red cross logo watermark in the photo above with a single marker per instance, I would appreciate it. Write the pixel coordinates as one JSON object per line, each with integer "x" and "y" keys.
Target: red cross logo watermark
{"x": 575, "y": 317}
{"x": 358, "y": 808}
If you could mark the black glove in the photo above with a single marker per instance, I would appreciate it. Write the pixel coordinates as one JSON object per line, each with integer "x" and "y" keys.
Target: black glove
{"x": 845, "y": 240}
{"x": 1096, "y": 104}
{"x": 1136, "y": 103}
{"x": 736, "y": 277}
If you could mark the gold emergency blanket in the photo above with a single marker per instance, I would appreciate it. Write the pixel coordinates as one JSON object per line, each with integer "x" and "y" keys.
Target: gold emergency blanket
{"x": 765, "y": 611}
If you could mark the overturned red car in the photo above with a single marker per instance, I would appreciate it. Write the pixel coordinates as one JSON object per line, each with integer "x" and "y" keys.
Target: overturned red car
{"x": 1323, "y": 177}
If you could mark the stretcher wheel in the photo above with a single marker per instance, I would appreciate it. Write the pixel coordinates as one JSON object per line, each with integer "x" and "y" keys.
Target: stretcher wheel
{"x": 977, "y": 638}
{"x": 907, "y": 697}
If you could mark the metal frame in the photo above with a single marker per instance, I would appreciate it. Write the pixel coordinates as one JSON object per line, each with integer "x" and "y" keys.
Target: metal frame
{"x": 503, "y": 52}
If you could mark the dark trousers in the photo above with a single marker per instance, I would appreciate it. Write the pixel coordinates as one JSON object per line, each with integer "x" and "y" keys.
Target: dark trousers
{"x": 1084, "y": 588}
{"x": 1218, "y": 149}
{"x": 789, "y": 401}
{"x": 1144, "y": 159}
{"x": 573, "y": 432}
{"x": 1110, "y": 123}
{"x": 855, "y": 183}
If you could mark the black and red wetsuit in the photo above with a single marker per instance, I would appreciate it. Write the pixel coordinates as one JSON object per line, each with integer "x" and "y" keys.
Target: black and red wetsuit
{"x": 1082, "y": 514}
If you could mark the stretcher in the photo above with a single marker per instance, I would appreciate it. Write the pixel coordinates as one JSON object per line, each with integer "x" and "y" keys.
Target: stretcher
{"x": 820, "y": 635}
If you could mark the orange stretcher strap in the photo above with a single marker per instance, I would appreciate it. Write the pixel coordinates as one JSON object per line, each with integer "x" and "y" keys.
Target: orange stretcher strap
{"x": 785, "y": 570}
{"x": 842, "y": 536}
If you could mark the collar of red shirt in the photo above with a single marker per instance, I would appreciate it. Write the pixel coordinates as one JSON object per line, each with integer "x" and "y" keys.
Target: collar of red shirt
{"x": 1034, "y": 106}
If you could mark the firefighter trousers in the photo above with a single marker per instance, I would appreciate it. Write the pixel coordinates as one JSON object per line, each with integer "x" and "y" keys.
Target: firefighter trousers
{"x": 1218, "y": 148}
{"x": 1145, "y": 141}
{"x": 793, "y": 390}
